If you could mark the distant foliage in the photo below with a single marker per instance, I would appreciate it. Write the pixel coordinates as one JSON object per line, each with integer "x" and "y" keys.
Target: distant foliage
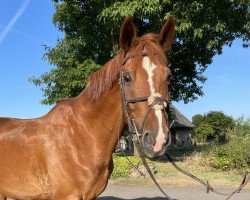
{"x": 203, "y": 131}
{"x": 122, "y": 167}
{"x": 234, "y": 155}
{"x": 59, "y": 83}
{"x": 213, "y": 126}
{"x": 197, "y": 119}
{"x": 242, "y": 128}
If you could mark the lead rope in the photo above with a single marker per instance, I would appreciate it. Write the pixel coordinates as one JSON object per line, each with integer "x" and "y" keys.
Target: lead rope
{"x": 149, "y": 171}
{"x": 206, "y": 184}
{"x": 244, "y": 181}
{"x": 145, "y": 164}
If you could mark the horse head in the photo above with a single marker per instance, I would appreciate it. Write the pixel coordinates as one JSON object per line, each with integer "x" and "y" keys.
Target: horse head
{"x": 144, "y": 80}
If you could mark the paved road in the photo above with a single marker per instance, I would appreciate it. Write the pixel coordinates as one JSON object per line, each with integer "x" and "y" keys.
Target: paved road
{"x": 119, "y": 192}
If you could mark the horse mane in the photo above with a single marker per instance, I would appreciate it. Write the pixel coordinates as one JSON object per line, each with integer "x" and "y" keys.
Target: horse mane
{"x": 107, "y": 77}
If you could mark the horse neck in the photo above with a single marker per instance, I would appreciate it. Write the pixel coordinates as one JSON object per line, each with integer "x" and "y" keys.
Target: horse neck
{"x": 103, "y": 118}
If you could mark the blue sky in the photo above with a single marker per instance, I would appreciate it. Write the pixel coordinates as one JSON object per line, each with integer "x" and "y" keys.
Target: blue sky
{"x": 25, "y": 25}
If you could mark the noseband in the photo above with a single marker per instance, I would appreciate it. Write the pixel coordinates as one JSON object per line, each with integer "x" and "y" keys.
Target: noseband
{"x": 154, "y": 101}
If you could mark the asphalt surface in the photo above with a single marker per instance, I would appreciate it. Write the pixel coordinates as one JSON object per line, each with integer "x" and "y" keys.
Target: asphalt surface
{"x": 118, "y": 192}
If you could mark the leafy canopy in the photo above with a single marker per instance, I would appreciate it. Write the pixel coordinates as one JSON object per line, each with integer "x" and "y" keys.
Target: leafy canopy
{"x": 213, "y": 126}
{"x": 91, "y": 31}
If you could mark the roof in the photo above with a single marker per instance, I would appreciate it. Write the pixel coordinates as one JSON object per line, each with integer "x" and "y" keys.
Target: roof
{"x": 180, "y": 120}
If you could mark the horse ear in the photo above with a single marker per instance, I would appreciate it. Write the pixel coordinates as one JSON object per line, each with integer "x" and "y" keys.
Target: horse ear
{"x": 166, "y": 35}
{"x": 128, "y": 34}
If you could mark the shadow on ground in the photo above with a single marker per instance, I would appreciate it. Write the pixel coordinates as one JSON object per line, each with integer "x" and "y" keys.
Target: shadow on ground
{"x": 142, "y": 198}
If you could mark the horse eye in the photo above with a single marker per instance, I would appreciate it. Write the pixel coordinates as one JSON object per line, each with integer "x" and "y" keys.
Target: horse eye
{"x": 127, "y": 78}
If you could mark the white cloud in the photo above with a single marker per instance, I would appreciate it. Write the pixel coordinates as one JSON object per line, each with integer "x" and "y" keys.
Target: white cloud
{"x": 14, "y": 19}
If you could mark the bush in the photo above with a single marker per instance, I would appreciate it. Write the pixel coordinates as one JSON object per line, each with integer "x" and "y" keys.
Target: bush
{"x": 213, "y": 126}
{"x": 122, "y": 166}
{"x": 202, "y": 132}
{"x": 234, "y": 155}
{"x": 242, "y": 128}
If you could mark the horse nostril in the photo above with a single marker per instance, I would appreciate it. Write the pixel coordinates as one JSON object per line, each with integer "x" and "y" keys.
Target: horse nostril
{"x": 148, "y": 140}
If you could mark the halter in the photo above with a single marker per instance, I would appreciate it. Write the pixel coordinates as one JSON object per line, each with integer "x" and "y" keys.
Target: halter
{"x": 154, "y": 101}
{"x": 157, "y": 102}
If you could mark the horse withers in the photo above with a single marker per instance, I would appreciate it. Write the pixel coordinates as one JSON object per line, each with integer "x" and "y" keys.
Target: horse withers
{"x": 67, "y": 154}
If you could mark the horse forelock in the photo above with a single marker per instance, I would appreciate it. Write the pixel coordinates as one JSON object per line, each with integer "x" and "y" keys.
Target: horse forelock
{"x": 107, "y": 77}
{"x": 148, "y": 43}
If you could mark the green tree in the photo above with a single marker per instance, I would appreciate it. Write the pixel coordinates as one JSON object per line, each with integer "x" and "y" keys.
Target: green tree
{"x": 203, "y": 131}
{"x": 220, "y": 124}
{"x": 91, "y": 30}
{"x": 197, "y": 119}
{"x": 242, "y": 128}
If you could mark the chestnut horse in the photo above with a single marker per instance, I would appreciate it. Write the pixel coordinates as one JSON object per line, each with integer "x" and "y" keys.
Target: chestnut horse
{"x": 67, "y": 154}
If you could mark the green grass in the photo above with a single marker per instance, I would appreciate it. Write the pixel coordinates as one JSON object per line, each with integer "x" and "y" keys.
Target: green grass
{"x": 168, "y": 175}
{"x": 222, "y": 165}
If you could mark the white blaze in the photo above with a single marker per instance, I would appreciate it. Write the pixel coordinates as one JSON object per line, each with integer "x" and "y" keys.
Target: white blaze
{"x": 149, "y": 67}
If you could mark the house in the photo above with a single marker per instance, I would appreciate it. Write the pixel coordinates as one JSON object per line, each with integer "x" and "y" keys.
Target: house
{"x": 181, "y": 129}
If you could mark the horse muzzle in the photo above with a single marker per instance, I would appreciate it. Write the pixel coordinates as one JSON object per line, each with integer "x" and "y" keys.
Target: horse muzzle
{"x": 151, "y": 147}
